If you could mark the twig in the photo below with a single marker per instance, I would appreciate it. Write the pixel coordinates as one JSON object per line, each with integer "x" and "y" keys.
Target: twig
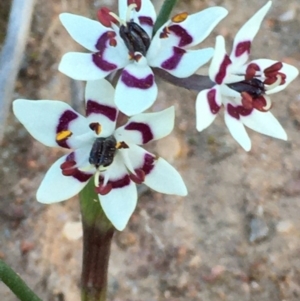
{"x": 12, "y": 54}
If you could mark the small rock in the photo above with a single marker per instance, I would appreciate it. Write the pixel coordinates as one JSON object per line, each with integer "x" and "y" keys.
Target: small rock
{"x": 72, "y": 230}
{"x": 26, "y": 246}
{"x": 255, "y": 286}
{"x": 284, "y": 227}
{"x": 195, "y": 262}
{"x": 183, "y": 280}
{"x": 287, "y": 16}
{"x": 258, "y": 229}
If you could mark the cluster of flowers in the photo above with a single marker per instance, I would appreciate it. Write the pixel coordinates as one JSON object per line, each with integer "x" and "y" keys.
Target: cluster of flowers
{"x": 126, "y": 42}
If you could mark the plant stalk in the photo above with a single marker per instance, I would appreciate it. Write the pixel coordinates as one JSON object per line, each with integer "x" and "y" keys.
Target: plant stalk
{"x": 97, "y": 237}
{"x": 164, "y": 14}
{"x": 10, "y": 278}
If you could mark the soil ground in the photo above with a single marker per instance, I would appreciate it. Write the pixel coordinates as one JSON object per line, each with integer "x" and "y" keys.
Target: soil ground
{"x": 236, "y": 236}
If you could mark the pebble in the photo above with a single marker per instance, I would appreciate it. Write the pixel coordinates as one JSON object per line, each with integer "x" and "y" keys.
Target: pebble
{"x": 258, "y": 229}
{"x": 287, "y": 16}
{"x": 195, "y": 262}
{"x": 26, "y": 246}
{"x": 72, "y": 230}
{"x": 284, "y": 227}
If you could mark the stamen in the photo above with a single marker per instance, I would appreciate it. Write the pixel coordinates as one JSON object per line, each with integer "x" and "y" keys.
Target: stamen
{"x": 96, "y": 127}
{"x": 116, "y": 17}
{"x": 121, "y": 144}
{"x": 268, "y": 105}
{"x": 138, "y": 177}
{"x": 106, "y": 18}
{"x": 275, "y": 67}
{"x": 63, "y": 135}
{"x": 247, "y": 100}
{"x": 179, "y": 17}
{"x": 130, "y": 8}
{"x": 251, "y": 71}
{"x": 138, "y": 4}
{"x": 275, "y": 84}
{"x": 104, "y": 189}
{"x": 165, "y": 33}
{"x": 96, "y": 178}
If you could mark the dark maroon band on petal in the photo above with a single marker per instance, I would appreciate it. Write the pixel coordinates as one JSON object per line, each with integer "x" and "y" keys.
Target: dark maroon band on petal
{"x": 185, "y": 37}
{"x": 232, "y": 111}
{"x": 172, "y": 62}
{"x": 238, "y": 111}
{"x": 101, "y": 63}
{"x": 63, "y": 125}
{"x": 101, "y": 45}
{"x": 222, "y": 71}
{"x": 148, "y": 163}
{"x": 139, "y": 83}
{"x": 97, "y": 108}
{"x": 146, "y": 21}
{"x": 143, "y": 128}
{"x": 121, "y": 182}
{"x": 242, "y": 47}
{"x": 212, "y": 101}
{"x": 77, "y": 174}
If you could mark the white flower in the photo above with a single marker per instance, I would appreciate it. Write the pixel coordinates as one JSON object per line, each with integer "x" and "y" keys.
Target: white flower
{"x": 125, "y": 42}
{"x": 112, "y": 155}
{"x": 243, "y": 88}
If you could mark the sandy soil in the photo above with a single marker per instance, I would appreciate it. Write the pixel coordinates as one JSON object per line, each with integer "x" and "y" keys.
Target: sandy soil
{"x": 237, "y": 234}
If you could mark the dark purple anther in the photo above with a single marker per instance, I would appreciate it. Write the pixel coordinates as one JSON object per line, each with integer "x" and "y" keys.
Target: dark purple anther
{"x": 103, "y": 152}
{"x": 135, "y": 37}
{"x": 253, "y": 87}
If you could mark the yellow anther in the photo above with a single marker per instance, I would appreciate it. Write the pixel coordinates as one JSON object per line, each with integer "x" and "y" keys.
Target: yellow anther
{"x": 121, "y": 144}
{"x": 180, "y": 17}
{"x": 63, "y": 135}
{"x": 96, "y": 127}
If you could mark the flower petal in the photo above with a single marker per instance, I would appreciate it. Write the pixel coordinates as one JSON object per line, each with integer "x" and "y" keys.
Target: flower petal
{"x": 264, "y": 123}
{"x": 289, "y": 71}
{"x": 136, "y": 90}
{"x": 119, "y": 204}
{"x": 100, "y": 106}
{"x": 179, "y": 62}
{"x": 242, "y": 41}
{"x": 220, "y": 68}
{"x": 237, "y": 131}
{"x": 44, "y": 119}
{"x": 84, "y": 31}
{"x": 189, "y": 33}
{"x": 80, "y": 66}
{"x": 208, "y": 104}
{"x": 164, "y": 178}
{"x": 56, "y": 187}
{"x": 143, "y": 128}
{"x": 146, "y": 16}
{"x": 159, "y": 174}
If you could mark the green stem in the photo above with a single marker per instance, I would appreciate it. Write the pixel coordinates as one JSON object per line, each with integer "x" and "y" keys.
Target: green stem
{"x": 164, "y": 14}
{"x": 16, "y": 284}
{"x": 97, "y": 236}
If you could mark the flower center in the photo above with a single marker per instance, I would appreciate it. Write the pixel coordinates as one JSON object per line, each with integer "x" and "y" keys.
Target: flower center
{"x": 254, "y": 87}
{"x": 254, "y": 91}
{"x": 103, "y": 152}
{"x": 135, "y": 38}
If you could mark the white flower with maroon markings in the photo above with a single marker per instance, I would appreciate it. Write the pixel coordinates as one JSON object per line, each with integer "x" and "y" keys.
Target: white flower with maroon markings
{"x": 244, "y": 88}
{"x": 125, "y": 41}
{"x": 112, "y": 155}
